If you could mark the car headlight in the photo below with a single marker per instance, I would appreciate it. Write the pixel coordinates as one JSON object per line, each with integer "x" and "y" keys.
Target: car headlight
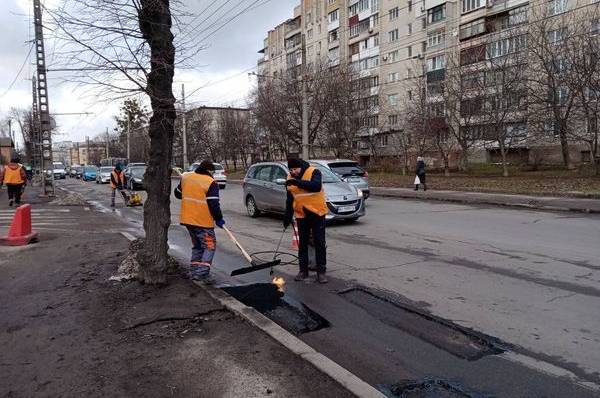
{"x": 137, "y": 179}
{"x": 359, "y": 192}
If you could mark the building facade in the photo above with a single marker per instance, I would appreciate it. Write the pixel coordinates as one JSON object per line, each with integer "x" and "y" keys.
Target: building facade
{"x": 470, "y": 61}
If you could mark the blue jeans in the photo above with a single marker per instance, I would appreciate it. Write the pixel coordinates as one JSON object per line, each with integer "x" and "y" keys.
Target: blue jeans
{"x": 204, "y": 246}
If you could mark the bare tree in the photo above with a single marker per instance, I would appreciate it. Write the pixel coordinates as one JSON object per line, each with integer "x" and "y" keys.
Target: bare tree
{"x": 127, "y": 47}
{"x": 25, "y": 121}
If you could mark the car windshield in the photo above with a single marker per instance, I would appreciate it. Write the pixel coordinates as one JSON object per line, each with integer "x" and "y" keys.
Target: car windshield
{"x": 218, "y": 167}
{"x": 59, "y": 166}
{"x": 137, "y": 172}
{"x": 90, "y": 169}
{"x": 105, "y": 169}
{"x": 347, "y": 169}
{"x": 328, "y": 176}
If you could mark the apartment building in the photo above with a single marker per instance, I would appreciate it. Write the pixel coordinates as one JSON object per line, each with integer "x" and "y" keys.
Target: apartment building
{"x": 393, "y": 43}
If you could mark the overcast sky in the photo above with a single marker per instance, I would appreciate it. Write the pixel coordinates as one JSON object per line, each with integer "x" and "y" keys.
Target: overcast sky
{"x": 230, "y": 51}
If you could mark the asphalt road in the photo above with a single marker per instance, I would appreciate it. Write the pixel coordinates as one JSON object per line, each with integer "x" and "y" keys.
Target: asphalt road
{"x": 529, "y": 279}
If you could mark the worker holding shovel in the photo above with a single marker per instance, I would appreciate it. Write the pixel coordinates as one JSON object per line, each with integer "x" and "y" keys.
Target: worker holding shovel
{"x": 117, "y": 181}
{"x": 200, "y": 211}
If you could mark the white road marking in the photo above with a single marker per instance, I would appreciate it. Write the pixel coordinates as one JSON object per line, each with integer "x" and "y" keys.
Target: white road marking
{"x": 128, "y": 235}
{"x": 549, "y": 369}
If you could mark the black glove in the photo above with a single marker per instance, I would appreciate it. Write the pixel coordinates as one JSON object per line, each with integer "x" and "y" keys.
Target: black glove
{"x": 286, "y": 222}
{"x": 291, "y": 182}
{"x": 120, "y": 187}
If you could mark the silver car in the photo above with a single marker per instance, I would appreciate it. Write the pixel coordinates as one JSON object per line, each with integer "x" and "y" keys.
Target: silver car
{"x": 349, "y": 171}
{"x": 265, "y": 191}
{"x": 103, "y": 176}
{"x": 219, "y": 174}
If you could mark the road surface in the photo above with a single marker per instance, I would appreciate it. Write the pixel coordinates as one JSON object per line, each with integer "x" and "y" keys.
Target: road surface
{"x": 529, "y": 280}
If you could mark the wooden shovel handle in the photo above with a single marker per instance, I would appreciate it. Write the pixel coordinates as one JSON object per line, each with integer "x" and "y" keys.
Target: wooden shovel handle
{"x": 234, "y": 240}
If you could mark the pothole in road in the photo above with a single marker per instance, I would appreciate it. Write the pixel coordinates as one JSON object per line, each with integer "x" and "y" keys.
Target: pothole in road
{"x": 291, "y": 315}
{"x": 429, "y": 388}
{"x": 459, "y": 341}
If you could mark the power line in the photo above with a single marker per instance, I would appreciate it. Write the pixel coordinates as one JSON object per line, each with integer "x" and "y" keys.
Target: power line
{"x": 19, "y": 72}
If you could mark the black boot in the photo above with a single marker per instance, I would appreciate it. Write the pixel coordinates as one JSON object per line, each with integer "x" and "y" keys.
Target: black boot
{"x": 416, "y": 187}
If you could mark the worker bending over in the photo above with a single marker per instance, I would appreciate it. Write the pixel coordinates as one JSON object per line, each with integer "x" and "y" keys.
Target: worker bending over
{"x": 306, "y": 201}
{"x": 117, "y": 181}
{"x": 15, "y": 179}
{"x": 200, "y": 211}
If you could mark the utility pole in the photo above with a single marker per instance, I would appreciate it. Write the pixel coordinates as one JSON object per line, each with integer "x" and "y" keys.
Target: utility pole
{"x": 128, "y": 137}
{"x": 305, "y": 143}
{"x": 10, "y": 130}
{"x": 184, "y": 130}
{"x": 107, "y": 141}
{"x": 42, "y": 92}
{"x": 35, "y": 137}
{"x": 87, "y": 150}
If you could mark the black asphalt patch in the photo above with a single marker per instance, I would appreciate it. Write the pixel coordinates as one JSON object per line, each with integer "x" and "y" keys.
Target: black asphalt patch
{"x": 429, "y": 388}
{"x": 291, "y": 315}
{"x": 454, "y": 339}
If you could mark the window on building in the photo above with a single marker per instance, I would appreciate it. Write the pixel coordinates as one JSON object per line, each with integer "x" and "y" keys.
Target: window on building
{"x": 334, "y": 54}
{"x": 409, "y": 5}
{"x": 393, "y": 35}
{"x": 309, "y": 34}
{"x": 308, "y": 18}
{"x": 506, "y": 46}
{"x": 333, "y": 16}
{"x": 595, "y": 29}
{"x": 471, "y": 29}
{"x": 517, "y": 16}
{"x": 392, "y": 56}
{"x": 409, "y": 95}
{"x": 333, "y": 36}
{"x": 435, "y": 39}
{"x": 409, "y": 73}
{"x": 383, "y": 140}
{"x": 393, "y": 99}
{"x": 394, "y": 13}
{"x": 472, "y": 55}
{"x": 423, "y": 23}
{"x": 376, "y": 40}
{"x": 409, "y": 29}
{"x": 393, "y": 120}
{"x": 331, "y": 2}
{"x": 557, "y": 35}
{"x": 556, "y": 7}
{"x": 374, "y": 5}
{"x": 393, "y": 77}
{"x": 435, "y": 63}
{"x": 409, "y": 51}
{"x": 374, "y": 20}
{"x": 470, "y": 5}
{"x": 436, "y": 14}
{"x": 473, "y": 80}
{"x": 561, "y": 95}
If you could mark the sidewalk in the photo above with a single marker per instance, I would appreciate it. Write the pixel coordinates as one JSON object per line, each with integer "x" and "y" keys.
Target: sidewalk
{"x": 532, "y": 202}
{"x": 65, "y": 330}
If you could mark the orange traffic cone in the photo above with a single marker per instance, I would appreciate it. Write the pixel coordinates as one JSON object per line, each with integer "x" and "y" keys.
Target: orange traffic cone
{"x": 20, "y": 232}
{"x": 295, "y": 239}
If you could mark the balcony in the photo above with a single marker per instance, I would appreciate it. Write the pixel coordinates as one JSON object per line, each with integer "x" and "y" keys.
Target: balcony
{"x": 293, "y": 27}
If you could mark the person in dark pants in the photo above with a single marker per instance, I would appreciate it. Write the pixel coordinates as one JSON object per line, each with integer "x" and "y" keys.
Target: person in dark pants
{"x": 117, "y": 181}
{"x": 420, "y": 174}
{"x": 15, "y": 179}
{"x": 306, "y": 201}
{"x": 200, "y": 211}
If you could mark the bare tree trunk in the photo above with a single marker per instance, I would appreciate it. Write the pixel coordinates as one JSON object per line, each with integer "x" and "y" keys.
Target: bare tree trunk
{"x": 446, "y": 165}
{"x": 504, "y": 165}
{"x": 564, "y": 146}
{"x": 155, "y": 25}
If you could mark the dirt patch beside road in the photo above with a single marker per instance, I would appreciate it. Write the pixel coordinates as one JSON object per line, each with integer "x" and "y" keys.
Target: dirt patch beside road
{"x": 65, "y": 330}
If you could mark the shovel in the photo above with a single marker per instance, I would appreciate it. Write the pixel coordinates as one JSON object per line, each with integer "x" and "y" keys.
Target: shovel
{"x": 253, "y": 265}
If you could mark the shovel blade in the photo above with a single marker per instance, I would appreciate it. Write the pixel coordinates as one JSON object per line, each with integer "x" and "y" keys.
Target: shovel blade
{"x": 255, "y": 267}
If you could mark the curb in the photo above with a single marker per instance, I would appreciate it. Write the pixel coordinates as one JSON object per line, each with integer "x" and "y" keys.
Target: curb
{"x": 345, "y": 378}
{"x": 339, "y": 374}
{"x": 489, "y": 202}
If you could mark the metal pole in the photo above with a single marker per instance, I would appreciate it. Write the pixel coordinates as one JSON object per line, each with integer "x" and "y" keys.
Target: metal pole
{"x": 128, "y": 137}
{"x": 107, "y": 141}
{"x": 42, "y": 93}
{"x": 87, "y": 150}
{"x": 10, "y": 130}
{"x": 305, "y": 143}
{"x": 184, "y": 130}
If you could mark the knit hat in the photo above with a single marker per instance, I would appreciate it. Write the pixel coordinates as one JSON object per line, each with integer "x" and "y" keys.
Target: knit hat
{"x": 207, "y": 165}
{"x": 296, "y": 163}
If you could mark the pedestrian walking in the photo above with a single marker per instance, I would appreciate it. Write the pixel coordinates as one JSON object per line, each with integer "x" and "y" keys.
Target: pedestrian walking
{"x": 306, "y": 202}
{"x": 117, "y": 182}
{"x": 200, "y": 211}
{"x": 15, "y": 179}
{"x": 420, "y": 177}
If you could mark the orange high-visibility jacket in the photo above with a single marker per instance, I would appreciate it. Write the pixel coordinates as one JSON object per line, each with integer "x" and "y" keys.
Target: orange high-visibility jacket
{"x": 312, "y": 201}
{"x": 194, "y": 207}
{"x": 14, "y": 174}
{"x": 118, "y": 177}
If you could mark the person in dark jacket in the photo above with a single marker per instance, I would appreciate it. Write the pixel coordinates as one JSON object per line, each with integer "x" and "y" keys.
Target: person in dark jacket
{"x": 200, "y": 211}
{"x": 306, "y": 201}
{"x": 420, "y": 174}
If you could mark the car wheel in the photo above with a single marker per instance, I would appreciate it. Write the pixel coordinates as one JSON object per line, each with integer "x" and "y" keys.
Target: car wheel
{"x": 251, "y": 207}
{"x": 222, "y": 186}
{"x": 97, "y": 182}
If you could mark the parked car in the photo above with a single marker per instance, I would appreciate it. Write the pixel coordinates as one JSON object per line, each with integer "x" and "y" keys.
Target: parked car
{"x": 265, "y": 191}
{"x": 59, "y": 170}
{"x": 176, "y": 172}
{"x": 134, "y": 177}
{"x": 103, "y": 176}
{"x": 349, "y": 171}
{"x": 89, "y": 173}
{"x": 219, "y": 175}
{"x": 136, "y": 164}
{"x": 76, "y": 171}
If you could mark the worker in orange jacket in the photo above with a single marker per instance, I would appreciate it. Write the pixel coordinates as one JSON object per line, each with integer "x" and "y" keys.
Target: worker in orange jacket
{"x": 117, "y": 181}
{"x": 15, "y": 179}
